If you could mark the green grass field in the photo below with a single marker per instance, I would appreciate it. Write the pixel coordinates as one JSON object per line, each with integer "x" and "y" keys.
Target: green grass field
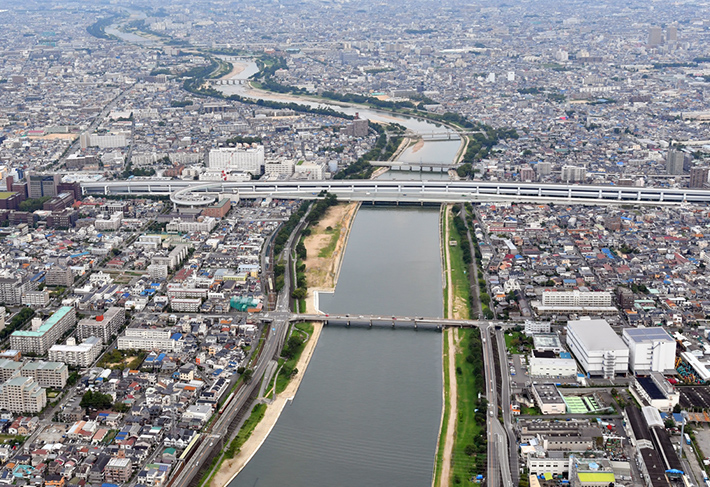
{"x": 305, "y": 330}
{"x": 469, "y": 453}
{"x": 459, "y": 274}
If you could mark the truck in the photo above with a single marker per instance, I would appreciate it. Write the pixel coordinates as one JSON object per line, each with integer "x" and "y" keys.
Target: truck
{"x": 687, "y": 439}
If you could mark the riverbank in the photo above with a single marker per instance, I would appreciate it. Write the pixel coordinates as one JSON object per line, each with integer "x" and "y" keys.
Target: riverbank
{"x": 231, "y": 468}
{"x": 325, "y": 248}
{"x": 453, "y": 458}
{"x": 237, "y": 68}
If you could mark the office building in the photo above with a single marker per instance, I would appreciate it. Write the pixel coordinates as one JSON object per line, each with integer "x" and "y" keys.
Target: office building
{"x": 672, "y": 33}
{"x": 22, "y": 394}
{"x": 41, "y": 185}
{"x": 219, "y": 209}
{"x": 245, "y": 159}
{"x": 47, "y": 374}
{"x": 548, "y": 364}
{"x": 44, "y": 335}
{"x": 655, "y": 36}
{"x": 82, "y": 355}
{"x": 699, "y": 177}
{"x": 597, "y": 348}
{"x": 548, "y": 399}
{"x": 102, "y": 326}
{"x": 650, "y": 350}
{"x": 656, "y": 391}
{"x": 573, "y": 173}
{"x": 675, "y": 162}
{"x": 532, "y": 327}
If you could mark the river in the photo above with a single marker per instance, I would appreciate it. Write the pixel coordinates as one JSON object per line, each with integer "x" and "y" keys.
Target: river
{"x": 369, "y": 407}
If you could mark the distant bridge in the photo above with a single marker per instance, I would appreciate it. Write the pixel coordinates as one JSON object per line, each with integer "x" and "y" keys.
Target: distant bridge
{"x": 434, "y": 166}
{"x": 442, "y": 136}
{"x": 197, "y": 193}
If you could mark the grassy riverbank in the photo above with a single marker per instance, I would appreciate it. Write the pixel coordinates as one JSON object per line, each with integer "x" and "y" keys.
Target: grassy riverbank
{"x": 469, "y": 452}
{"x": 461, "y": 450}
{"x": 444, "y": 433}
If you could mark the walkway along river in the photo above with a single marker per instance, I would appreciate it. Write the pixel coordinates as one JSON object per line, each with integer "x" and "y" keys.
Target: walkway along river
{"x": 369, "y": 407}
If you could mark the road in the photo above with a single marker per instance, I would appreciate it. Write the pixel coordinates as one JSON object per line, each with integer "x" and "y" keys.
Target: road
{"x": 414, "y": 191}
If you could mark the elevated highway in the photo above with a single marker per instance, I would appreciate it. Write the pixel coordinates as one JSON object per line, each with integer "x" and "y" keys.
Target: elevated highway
{"x": 196, "y": 193}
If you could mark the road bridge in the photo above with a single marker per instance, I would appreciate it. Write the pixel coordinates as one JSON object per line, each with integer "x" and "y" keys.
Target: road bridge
{"x": 416, "y": 191}
{"x": 434, "y": 166}
{"x": 383, "y": 321}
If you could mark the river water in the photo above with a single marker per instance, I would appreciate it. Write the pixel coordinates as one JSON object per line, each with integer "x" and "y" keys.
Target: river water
{"x": 368, "y": 410}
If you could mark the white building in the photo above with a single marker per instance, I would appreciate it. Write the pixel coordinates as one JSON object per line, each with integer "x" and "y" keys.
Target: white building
{"x": 532, "y": 327}
{"x": 575, "y": 301}
{"x": 108, "y": 141}
{"x": 598, "y": 349}
{"x": 279, "y": 167}
{"x": 576, "y": 298}
{"x": 542, "y": 364}
{"x": 149, "y": 339}
{"x": 113, "y": 223}
{"x": 203, "y": 224}
{"x": 310, "y": 171}
{"x": 82, "y": 355}
{"x": 246, "y": 159}
{"x": 573, "y": 173}
{"x": 36, "y": 298}
{"x": 650, "y": 349}
{"x": 548, "y": 399}
{"x": 22, "y": 394}
{"x": 186, "y": 305}
{"x": 158, "y": 271}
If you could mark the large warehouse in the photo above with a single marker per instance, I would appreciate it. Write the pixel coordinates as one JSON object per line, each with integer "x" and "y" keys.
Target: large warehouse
{"x": 598, "y": 349}
{"x": 650, "y": 350}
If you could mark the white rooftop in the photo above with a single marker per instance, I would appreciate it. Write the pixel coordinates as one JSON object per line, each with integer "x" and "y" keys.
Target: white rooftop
{"x": 596, "y": 335}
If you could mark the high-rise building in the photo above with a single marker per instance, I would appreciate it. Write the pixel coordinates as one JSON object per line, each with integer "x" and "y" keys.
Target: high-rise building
{"x": 655, "y": 36}
{"x": 22, "y": 394}
{"x": 41, "y": 185}
{"x": 543, "y": 168}
{"x": 672, "y": 33}
{"x": 675, "y": 161}
{"x": 527, "y": 173}
{"x": 699, "y": 177}
{"x": 573, "y": 173}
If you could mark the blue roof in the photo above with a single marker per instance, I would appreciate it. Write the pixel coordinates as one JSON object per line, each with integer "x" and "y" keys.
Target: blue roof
{"x": 81, "y": 254}
{"x": 565, "y": 355}
{"x": 176, "y": 336}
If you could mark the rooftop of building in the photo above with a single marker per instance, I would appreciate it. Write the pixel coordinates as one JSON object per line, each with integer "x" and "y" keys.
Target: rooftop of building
{"x": 640, "y": 335}
{"x": 596, "y": 335}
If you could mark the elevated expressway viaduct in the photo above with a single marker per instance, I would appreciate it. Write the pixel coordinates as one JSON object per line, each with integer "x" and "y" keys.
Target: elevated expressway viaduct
{"x": 201, "y": 193}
